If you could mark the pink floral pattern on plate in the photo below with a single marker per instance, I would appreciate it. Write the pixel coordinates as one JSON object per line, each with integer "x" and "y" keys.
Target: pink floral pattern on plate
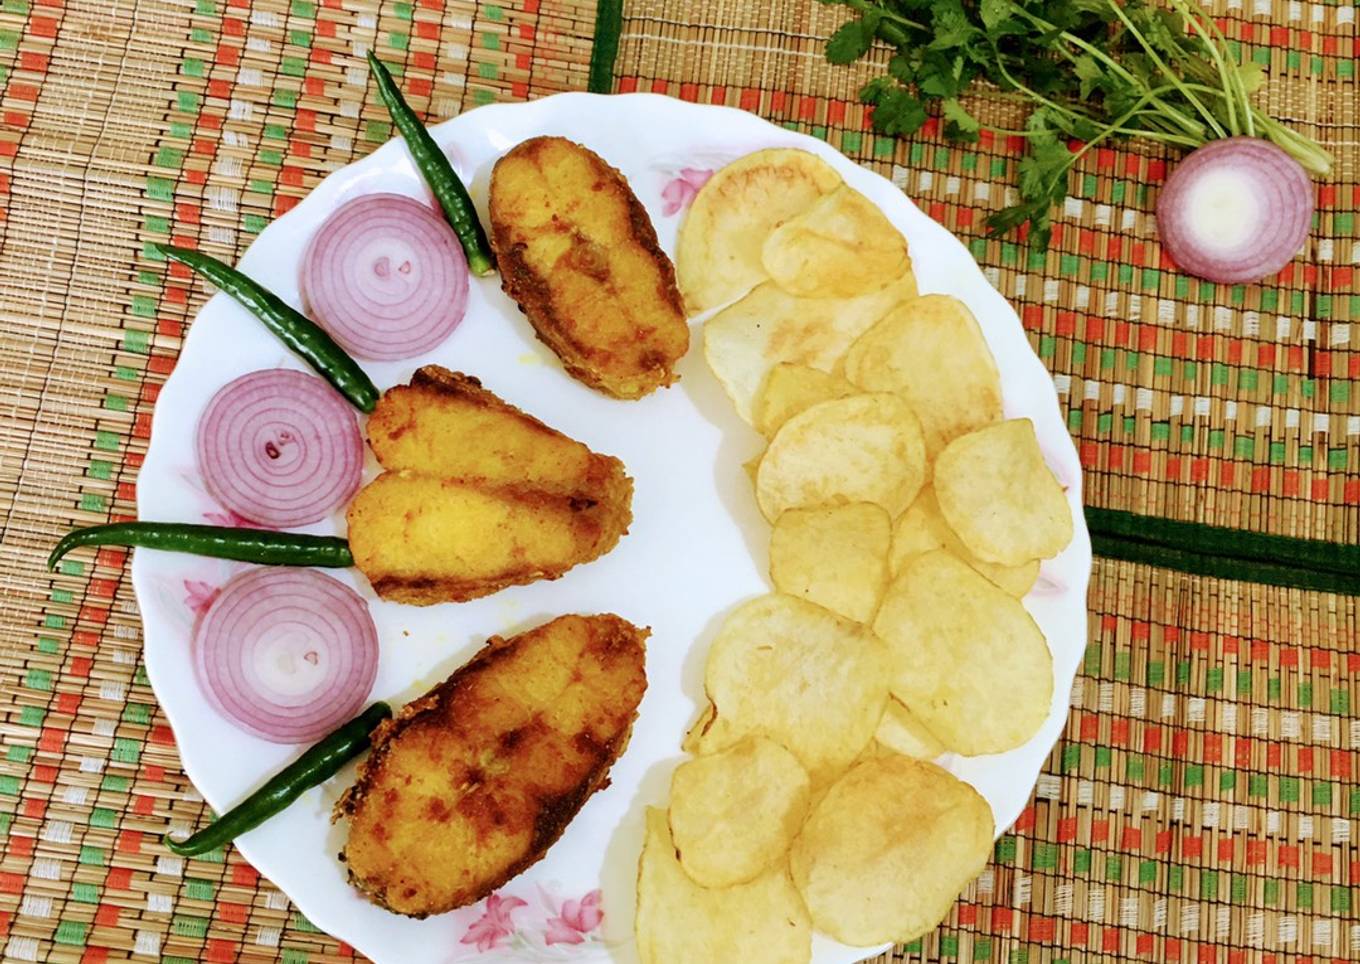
{"x": 681, "y": 189}
{"x": 216, "y": 514}
{"x": 538, "y": 926}
{"x": 199, "y": 595}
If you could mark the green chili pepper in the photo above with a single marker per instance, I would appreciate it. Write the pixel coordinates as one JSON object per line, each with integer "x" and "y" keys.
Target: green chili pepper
{"x": 220, "y": 542}
{"x": 1288, "y": 552}
{"x": 318, "y": 764}
{"x": 439, "y": 174}
{"x": 605, "y": 50}
{"x": 1236, "y": 568}
{"x": 293, "y": 328}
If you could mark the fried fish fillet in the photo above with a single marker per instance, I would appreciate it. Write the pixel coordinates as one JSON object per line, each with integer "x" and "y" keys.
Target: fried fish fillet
{"x": 578, "y": 254}
{"x": 423, "y": 539}
{"x": 473, "y": 782}
{"x": 477, "y": 495}
{"x": 445, "y": 423}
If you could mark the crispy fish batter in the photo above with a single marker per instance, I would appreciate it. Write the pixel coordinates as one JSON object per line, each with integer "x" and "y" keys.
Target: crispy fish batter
{"x": 578, "y": 254}
{"x": 478, "y": 495}
{"x": 471, "y": 783}
{"x": 422, "y": 539}
{"x": 446, "y": 424}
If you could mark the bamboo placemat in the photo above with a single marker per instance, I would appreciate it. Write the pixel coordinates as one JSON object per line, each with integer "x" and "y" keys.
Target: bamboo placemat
{"x": 1202, "y": 806}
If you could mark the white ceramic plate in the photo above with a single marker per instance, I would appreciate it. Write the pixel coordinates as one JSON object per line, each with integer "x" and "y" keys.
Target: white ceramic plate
{"x": 697, "y": 546}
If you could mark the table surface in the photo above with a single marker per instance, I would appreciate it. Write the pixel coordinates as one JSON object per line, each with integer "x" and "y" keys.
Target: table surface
{"x": 1203, "y": 803}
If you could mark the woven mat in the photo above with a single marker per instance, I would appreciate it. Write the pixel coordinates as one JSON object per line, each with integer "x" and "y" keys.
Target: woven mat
{"x": 1202, "y": 805}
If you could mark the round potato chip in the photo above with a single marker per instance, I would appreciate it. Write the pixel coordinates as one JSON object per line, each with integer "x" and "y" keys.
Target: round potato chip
{"x": 930, "y": 351}
{"x": 922, "y": 529}
{"x": 901, "y": 732}
{"x": 718, "y": 250}
{"x": 790, "y": 389}
{"x": 997, "y": 493}
{"x": 841, "y": 246}
{"x": 834, "y": 556}
{"x": 745, "y": 340}
{"x": 798, "y": 674}
{"x": 734, "y": 813}
{"x": 967, "y": 658}
{"x": 863, "y": 448}
{"x": 694, "y": 738}
{"x": 885, "y": 853}
{"x": 760, "y": 922}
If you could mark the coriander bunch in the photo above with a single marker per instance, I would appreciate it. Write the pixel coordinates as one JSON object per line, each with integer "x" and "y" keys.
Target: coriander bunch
{"x": 1090, "y": 70}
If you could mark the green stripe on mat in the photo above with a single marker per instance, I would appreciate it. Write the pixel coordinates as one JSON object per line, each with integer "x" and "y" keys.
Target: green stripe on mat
{"x": 1225, "y": 553}
{"x": 605, "y": 49}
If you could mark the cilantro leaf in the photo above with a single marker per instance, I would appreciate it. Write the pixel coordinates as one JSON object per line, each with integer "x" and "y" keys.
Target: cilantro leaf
{"x": 896, "y": 110}
{"x": 854, "y": 38}
{"x": 952, "y": 27}
{"x": 902, "y": 68}
{"x": 995, "y": 12}
{"x": 1089, "y": 73}
{"x": 959, "y": 124}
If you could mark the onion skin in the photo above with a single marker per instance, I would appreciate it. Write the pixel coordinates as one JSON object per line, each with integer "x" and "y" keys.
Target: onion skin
{"x": 279, "y": 448}
{"x": 386, "y": 277}
{"x": 1280, "y": 192}
{"x": 266, "y": 620}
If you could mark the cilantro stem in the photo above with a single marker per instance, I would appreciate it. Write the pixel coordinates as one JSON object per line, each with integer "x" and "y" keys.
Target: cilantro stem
{"x": 1189, "y": 124}
{"x": 1110, "y": 129}
{"x": 1170, "y": 74}
{"x": 1243, "y": 93}
{"x": 1230, "y": 88}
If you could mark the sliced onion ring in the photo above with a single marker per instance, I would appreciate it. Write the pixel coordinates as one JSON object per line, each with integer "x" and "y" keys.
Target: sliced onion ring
{"x": 280, "y": 448}
{"x": 1235, "y": 210}
{"x": 386, "y": 277}
{"x": 286, "y": 654}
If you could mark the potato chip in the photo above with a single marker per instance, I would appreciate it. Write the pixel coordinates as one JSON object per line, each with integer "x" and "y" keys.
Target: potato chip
{"x": 789, "y": 389}
{"x": 768, "y": 326}
{"x": 864, "y": 448}
{"x": 967, "y": 658}
{"x": 884, "y": 854}
{"x": 841, "y": 246}
{"x": 718, "y": 250}
{"x": 691, "y": 743}
{"x": 834, "y": 556}
{"x": 761, "y": 922}
{"x": 1000, "y": 497}
{"x": 734, "y": 813}
{"x": 798, "y": 674}
{"x": 922, "y": 529}
{"x": 901, "y": 732}
{"x": 930, "y": 351}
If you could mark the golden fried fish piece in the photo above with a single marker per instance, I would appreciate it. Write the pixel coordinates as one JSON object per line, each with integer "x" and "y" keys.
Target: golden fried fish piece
{"x": 477, "y": 495}
{"x": 422, "y": 539}
{"x": 474, "y": 781}
{"x": 578, "y": 254}
{"x": 445, "y": 423}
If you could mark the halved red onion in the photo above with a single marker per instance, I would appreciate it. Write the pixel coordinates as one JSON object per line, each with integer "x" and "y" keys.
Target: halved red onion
{"x": 286, "y": 654}
{"x": 1235, "y": 210}
{"x": 280, "y": 448}
{"x": 386, "y": 277}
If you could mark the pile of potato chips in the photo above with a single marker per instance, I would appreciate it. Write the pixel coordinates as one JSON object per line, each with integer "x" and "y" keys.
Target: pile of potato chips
{"x": 908, "y": 521}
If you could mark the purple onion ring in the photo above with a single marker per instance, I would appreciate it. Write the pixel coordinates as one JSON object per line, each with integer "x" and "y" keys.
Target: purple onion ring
{"x": 286, "y": 654}
{"x": 280, "y": 448}
{"x": 386, "y": 277}
{"x": 1235, "y": 210}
